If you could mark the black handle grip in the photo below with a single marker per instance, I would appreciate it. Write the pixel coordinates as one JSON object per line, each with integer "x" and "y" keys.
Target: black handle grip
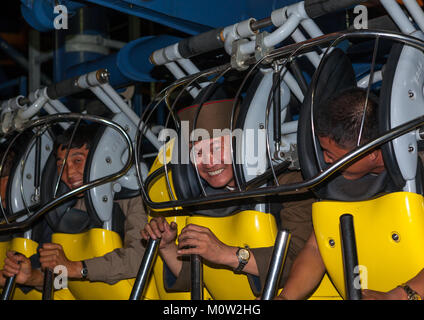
{"x": 64, "y": 88}
{"x": 70, "y": 86}
{"x": 48, "y": 288}
{"x": 201, "y": 43}
{"x": 196, "y": 277}
{"x": 350, "y": 258}
{"x": 317, "y": 8}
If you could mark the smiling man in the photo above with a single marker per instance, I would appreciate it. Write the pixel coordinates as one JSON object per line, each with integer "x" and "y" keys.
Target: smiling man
{"x": 210, "y": 153}
{"x": 73, "y": 171}
{"x": 213, "y": 160}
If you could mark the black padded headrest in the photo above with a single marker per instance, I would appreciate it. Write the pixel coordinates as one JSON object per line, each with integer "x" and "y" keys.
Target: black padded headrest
{"x": 336, "y": 75}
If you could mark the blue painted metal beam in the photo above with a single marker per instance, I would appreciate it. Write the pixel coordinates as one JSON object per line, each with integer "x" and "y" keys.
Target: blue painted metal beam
{"x": 189, "y": 16}
{"x": 130, "y": 64}
{"x": 40, "y": 13}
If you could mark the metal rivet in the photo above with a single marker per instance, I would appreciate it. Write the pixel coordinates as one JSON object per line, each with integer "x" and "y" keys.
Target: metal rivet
{"x": 411, "y": 94}
{"x": 28, "y": 176}
{"x": 395, "y": 237}
{"x": 108, "y": 160}
{"x": 411, "y": 148}
{"x": 104, "y": 198}
{"x": 332, "y": 243}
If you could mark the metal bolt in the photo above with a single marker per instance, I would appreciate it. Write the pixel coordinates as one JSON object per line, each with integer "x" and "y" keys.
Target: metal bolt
{"x": 332, "y": 243}
{"x": 108, "y": 160}
{"x": 395, "y": 237}
{"x": 411, "y": 148}
{"x": 411, "y": 94}
{"x": 47, "y": 148}
{"x": 261, "y": 126}
{"x": 29, "y": 176}
{"x": 104, "y": 199}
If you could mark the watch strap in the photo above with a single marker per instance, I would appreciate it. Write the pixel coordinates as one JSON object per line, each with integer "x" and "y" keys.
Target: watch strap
{"x": 412, "y": 294}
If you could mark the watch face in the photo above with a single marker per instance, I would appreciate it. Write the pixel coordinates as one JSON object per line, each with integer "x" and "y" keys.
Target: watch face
{"x": 244, "y": 254}
{"x": 84, "y": 272}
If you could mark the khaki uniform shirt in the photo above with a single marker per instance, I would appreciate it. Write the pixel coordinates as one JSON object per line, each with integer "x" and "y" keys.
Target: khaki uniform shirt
{"x": 121, "y": 263}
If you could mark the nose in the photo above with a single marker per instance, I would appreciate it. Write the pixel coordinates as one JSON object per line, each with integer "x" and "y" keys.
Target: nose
{"x": 70, "y": 170}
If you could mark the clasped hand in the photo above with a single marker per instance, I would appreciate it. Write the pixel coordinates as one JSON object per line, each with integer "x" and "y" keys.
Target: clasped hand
{"x": 193, "y": 239}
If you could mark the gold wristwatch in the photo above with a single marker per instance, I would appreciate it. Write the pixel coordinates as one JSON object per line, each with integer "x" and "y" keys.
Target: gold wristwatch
{"x": 243, "y": 256}
{"x": 412, "y": 294}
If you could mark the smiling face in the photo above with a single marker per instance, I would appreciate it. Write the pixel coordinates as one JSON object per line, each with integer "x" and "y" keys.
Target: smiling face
{"x": 73, "y": 171}
{"x": 213, "y": 160}
{"x": 370, "y": 163}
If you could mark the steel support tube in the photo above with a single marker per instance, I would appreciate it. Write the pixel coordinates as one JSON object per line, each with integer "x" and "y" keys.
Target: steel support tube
{"x": 274, "y": 38}
{"x": 277, "y": 264}
{"x": 145, "y": 269}
{"x": 8, "y": 288}
{"x": 134, "y": 118}
{"x": 33, "y": 109}
{"x": 400, "y": 18}
{"x": 416, "y": 12}
{"x": 191, "y": 68}
{"x": 178, "y": 74}
{"x": 313, "y": 57}
{"x": 311, "y": 28}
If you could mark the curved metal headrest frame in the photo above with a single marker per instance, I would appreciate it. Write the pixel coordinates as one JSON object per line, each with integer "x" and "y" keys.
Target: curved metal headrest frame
{"x": 63, "y": 117}
{"x": 285, "y": 54}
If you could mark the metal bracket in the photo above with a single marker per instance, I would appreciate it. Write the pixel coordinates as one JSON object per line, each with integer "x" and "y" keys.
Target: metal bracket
{"x": 261, "y": 50}
{"x": 291, "y": 156}
{"x": 237, "y": 57}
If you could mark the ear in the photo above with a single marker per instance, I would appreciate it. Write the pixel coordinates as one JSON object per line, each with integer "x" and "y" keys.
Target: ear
{"x": 376, "y": 157}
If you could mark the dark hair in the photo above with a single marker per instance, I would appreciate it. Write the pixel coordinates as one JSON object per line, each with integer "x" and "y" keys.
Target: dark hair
{"x": 339, "y": 118}
{"x": 9, "y": 160}
{"x": 84, "y": 135}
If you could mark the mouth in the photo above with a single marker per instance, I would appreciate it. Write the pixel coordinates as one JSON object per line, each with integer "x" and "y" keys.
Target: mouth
{"x": 215, "y": 173}
{"x": 76, "y": 184}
